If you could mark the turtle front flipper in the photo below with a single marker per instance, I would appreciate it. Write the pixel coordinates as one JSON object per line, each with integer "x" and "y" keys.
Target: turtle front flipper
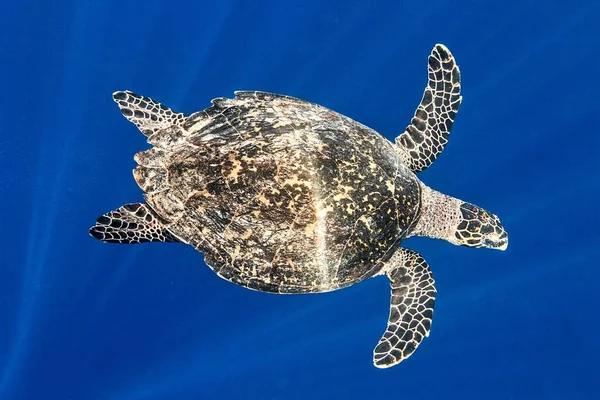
{"x": 411, "y": 308}
{"x": 148, "y": 115}
{"x": 131, "y": 223}
{"x": 425, "y": 138}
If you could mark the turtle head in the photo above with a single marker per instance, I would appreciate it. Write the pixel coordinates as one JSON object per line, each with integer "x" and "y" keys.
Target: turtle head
{"x": 458, "y": 222}
{"x": 479, "y": 228}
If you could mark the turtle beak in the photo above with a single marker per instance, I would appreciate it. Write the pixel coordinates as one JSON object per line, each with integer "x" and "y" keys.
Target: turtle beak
{"x": 501, "y": 243}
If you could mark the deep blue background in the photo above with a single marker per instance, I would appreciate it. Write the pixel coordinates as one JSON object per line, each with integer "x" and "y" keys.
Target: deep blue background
{"x": 83, "y": 320}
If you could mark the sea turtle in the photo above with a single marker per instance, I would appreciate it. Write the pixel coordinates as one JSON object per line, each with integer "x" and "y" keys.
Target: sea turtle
{"x": 286, "y": 196}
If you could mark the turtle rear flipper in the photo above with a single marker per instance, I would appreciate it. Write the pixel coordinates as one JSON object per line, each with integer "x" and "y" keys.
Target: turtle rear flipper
{"x": 426, "y": 136}
{"x": 148, "y": 115}
{"x": 131, "y": 223}
{"x": 411, "y": 308}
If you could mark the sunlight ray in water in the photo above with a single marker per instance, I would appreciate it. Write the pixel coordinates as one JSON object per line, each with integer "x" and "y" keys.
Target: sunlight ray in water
{"x": 179, "y": 82}
{"x": 48, "y": 201}
{"x": 43, "y": 220}
{"x": 545, "y": 45}
{"x": 191, "y": 72}
{"x": 311, "y": 69}
{"x": 30, "y": 285}
{"x": 152, "y": 15}
{"x": 119, "y": 274}
{"x": 195, "y": 358}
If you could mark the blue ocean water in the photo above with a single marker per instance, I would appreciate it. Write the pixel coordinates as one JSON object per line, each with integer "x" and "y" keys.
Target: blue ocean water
{"x": 83, "y": 320}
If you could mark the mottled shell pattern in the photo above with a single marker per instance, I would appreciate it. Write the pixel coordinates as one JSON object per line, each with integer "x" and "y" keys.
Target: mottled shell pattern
{"x": 280, "y": 194}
